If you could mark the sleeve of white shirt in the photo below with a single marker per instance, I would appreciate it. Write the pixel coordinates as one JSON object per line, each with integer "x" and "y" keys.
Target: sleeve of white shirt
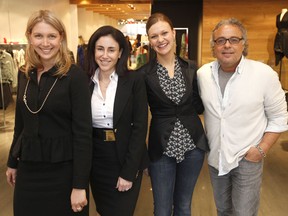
{"x": 275, "y": 105}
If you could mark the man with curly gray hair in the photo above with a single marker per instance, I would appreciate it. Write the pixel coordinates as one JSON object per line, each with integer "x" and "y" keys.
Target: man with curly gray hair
{"x": 245, "y": 113}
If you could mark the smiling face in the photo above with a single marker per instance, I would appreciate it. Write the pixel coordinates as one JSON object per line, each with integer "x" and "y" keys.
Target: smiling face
{"x": 46, "y": 42}
{"x": 107, "y": 53}
{"x": 228, "y": 55}
{"x": 161, "y": 38}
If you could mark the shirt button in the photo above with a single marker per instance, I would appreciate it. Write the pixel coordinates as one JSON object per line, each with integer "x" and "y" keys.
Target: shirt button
{"x": 104, "y": 116}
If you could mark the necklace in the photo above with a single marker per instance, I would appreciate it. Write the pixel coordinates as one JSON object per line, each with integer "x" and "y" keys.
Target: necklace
{"x": 25, "y": 96}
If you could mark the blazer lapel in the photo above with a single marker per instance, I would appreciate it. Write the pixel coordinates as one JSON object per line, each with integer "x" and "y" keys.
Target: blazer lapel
{"x": 122, "y": 95}
{"x": 188, "y": 78}
{"x": 91, "y": 87}
{"x": 153, "y": 82}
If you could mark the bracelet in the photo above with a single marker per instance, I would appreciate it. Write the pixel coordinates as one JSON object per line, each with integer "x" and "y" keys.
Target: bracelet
{"x": 261, "y": 151}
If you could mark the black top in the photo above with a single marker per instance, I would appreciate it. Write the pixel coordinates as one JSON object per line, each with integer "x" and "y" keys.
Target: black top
{"x": 62, "y": 130}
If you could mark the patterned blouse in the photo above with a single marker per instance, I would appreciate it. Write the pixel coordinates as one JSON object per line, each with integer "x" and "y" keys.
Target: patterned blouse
{"x": 180, "y": 140}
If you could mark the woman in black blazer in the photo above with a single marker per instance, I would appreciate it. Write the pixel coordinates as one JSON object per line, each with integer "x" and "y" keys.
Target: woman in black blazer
{"x": 177, "y": 142}
{"x": 119, "y": 116}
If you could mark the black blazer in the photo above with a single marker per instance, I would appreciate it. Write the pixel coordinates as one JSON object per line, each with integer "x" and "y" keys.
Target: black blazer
{"x": 164, "y": 111}
{"x": 130, "y": 124}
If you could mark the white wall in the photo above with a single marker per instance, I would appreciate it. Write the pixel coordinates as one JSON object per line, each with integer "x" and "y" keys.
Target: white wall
{"x": 14, "y": 15}
{"x": 89, "y": 22}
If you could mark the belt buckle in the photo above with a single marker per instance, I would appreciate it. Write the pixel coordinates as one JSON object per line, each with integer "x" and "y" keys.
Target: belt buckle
{"x": 109, "y": 135}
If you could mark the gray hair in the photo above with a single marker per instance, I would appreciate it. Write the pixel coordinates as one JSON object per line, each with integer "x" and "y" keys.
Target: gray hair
{"x": 234, "y": 22}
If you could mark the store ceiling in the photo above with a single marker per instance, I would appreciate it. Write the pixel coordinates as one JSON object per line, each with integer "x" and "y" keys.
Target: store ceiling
{"x": 117, "y": 9}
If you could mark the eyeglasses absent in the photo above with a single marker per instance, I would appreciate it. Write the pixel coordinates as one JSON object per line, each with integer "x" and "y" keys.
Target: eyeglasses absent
{"x": 233, "y": 40}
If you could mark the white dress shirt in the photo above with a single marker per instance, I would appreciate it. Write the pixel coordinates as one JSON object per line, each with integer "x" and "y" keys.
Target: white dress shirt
{"x": 102, "y": 109}
{"x": 253, "y": 103}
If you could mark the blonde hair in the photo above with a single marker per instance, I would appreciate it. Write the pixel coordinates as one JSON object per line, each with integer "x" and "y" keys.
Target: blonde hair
{"x": 32, "y": 59}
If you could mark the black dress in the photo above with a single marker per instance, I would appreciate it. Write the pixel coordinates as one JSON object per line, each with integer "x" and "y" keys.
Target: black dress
{"x": 281, "y": 38}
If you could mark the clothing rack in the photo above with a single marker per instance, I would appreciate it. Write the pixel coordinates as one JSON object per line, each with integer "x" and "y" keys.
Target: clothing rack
{"x": 12, "y": 46}
{"x": 11, "y": 65}
{"x": 3, "y": 101}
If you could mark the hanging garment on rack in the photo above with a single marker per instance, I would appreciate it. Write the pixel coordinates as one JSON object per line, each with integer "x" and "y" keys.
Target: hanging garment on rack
{"x": 81, "y": 55}
{"x": 7, "y": 95}
{"x": 8, "y": 68}
{"x": 71, "y": 54}
{"x": 281, "y": 38}
{"x": 19, "y": 57}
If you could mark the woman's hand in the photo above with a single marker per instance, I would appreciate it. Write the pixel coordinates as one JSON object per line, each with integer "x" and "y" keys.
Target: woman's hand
{"x": 78, "y": 199}
{"x": 11, "y": 176}
{"x": 123, "y": 185}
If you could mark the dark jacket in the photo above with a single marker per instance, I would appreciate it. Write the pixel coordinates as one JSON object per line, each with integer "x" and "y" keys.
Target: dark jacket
{"x": 165, "y": 112}
{"x": 130, "y": 124}
{"x": 62, "y": 130}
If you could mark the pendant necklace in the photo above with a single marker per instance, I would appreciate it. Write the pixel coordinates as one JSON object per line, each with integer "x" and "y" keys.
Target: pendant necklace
{"x": 25, "y": 96}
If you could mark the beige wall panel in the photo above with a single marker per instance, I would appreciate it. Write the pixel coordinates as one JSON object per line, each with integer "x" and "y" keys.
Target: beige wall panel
{"x": 259, "y": 17}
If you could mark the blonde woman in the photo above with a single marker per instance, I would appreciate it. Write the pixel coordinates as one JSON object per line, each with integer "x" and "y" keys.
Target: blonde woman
{"x": 50, "y": 157}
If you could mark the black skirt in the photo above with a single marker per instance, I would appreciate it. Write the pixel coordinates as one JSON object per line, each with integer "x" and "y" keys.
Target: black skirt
{"x": 104, "y": 176}
{"x": 44, "y": 189}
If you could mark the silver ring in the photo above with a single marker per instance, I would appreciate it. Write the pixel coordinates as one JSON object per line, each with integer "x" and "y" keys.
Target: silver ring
{"x": 79, "y": 208}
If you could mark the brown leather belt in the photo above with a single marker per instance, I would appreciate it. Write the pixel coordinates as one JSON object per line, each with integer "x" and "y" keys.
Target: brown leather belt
{"x": 104, "y": 134}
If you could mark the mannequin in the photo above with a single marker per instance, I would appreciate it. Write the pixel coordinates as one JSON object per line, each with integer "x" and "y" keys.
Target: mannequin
{"x": 284, "y": 10}
{"x": 281, "y": 39}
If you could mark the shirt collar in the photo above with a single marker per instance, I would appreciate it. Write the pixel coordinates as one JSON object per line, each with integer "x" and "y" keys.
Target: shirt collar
{"x": 95, "y": 78}
{"x": 51, "y": 71}
{"x": 239, "y": 68}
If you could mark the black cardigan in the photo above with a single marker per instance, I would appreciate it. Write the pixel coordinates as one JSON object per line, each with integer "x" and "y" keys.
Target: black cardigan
{"x": 164, "y": 111}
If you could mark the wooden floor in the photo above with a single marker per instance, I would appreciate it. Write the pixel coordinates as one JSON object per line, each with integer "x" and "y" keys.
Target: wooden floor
{"x": 274, "y": 192}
